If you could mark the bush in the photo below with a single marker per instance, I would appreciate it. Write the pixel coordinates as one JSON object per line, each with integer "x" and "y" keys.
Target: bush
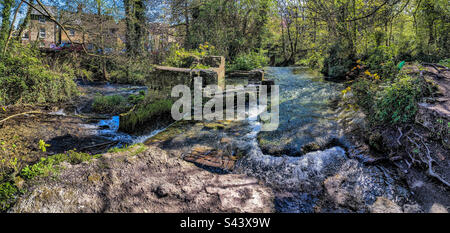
{"x": 8, "y": 192}
{"x": 397, "y": 103}
{"x": 445, "y": 62}
{"x": 129, "y": 70}
{"x": 390, "y": 102}
{"x": 339, "y": 61}
{"x": 381, "y": 60}
{"x": 249, "y": 61}
{"x": 179, "y": 57}
{"x": 24, "y": 79}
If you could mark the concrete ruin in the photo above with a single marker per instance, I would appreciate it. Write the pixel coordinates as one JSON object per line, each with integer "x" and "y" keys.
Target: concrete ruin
{"x": 164, "y": 78}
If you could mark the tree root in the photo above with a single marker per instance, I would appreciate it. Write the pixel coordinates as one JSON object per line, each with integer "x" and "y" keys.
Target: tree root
{"x": 399, "y": 137}
{"x": 436, "y": 66}
{"x": 429, "y": 163}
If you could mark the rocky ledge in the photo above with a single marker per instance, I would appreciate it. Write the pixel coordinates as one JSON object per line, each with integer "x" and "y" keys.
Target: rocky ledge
{"x": 149, "y": 181}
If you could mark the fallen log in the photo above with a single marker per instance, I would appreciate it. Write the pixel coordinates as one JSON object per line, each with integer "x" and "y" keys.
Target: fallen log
{"x": 20, "y": 114}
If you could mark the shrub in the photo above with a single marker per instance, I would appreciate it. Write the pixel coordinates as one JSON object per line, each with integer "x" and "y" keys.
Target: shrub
{"x": 25, "y": 79}
{"x": 390, "y": 102}
{"x": 339, "y": 60}
{"x": 250, "y": 61}
{"x": 397, "y": 102}
{"x": 381, "y": 60}
{"x": 8, "y": 192}
{"x": 182, "y": 58}
{"x": 129, "y": 70}
{"x": 364, "y": 91}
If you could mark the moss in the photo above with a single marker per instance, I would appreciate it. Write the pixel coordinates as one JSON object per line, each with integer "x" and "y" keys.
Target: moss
{"x": 214, "y": 125}
{"x": 134, "y": 149}
{"x": 175, "y": 129}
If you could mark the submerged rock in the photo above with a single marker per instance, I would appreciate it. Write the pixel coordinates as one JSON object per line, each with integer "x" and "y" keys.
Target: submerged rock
{"x": 333, "y": 181}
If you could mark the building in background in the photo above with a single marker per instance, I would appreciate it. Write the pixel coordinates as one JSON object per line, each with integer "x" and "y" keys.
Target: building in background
{"x": 41, "y": 29}
{"x": 92, "y": 30}
{"x": 95, "y": 32}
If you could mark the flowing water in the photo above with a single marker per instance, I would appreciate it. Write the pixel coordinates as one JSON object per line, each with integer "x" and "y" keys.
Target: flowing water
{"x": 305, "y": 181}
{"x": 101, "y": 128}
{"x": 306, "y": 113}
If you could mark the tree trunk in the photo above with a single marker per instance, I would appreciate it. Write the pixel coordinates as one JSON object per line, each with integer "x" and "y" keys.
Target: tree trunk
{"x": 25, "y": 22}
{"x": 6, "y": 15}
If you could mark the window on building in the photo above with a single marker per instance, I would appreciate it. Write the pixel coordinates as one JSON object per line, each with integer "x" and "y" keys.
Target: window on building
{"x": 25, "y": 35}
{"x": 42, "y": 33}
{"x": 71, "y": 32}
{"x": 42, "y": 19}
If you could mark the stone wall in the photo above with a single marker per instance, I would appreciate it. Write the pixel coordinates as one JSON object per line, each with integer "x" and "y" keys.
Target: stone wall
{"x": 164, "y": 78}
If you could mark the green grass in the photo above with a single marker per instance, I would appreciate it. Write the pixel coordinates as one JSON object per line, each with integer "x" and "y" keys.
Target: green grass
{"x": 110, "y": 104}
{"x": 144, "y": 113}
{"x": 48, "y": 166}
{"x": 140, "y": 147}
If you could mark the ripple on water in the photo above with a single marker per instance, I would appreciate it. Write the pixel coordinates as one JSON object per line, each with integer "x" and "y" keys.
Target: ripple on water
{"x": 305, "y": 112}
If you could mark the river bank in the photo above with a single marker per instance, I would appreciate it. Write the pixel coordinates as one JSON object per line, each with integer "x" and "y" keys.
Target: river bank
{"x": 334, "y": 176}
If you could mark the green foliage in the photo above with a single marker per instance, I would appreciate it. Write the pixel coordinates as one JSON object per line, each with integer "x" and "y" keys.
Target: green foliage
{"x": 45, "y": 167}
{"x": 116, "y": 104}
{"x": 25, "y": 79}
{"x": 145, "y": 112}
{"x": 445, "y": 62}
{"x": 234, "y": 27}
{"x": 112, "y": 104}
{"x": 140, "y": 147}
{"x": 182, "y": 58}
{"x": 380, "y": 60}
{"x": 135, "y": 99}
{"x": 397, "y": 103}
{"x": 5, "y": 26}
{"x": 249, "y": 61}
{"x": 364, "y": 91}
{"x": 8, "y": 193}
{"x": 339, "y": 60}
{"x": 43, "y": 146}
{"x": 48, "y": 166}
{"x": 314, "y": 60}
{"x": 390, "y": 102}
{"x": 125, "y": 70}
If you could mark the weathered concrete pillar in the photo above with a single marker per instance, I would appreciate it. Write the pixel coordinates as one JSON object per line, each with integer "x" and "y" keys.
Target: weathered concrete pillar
{"x": 217, "y": 64}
